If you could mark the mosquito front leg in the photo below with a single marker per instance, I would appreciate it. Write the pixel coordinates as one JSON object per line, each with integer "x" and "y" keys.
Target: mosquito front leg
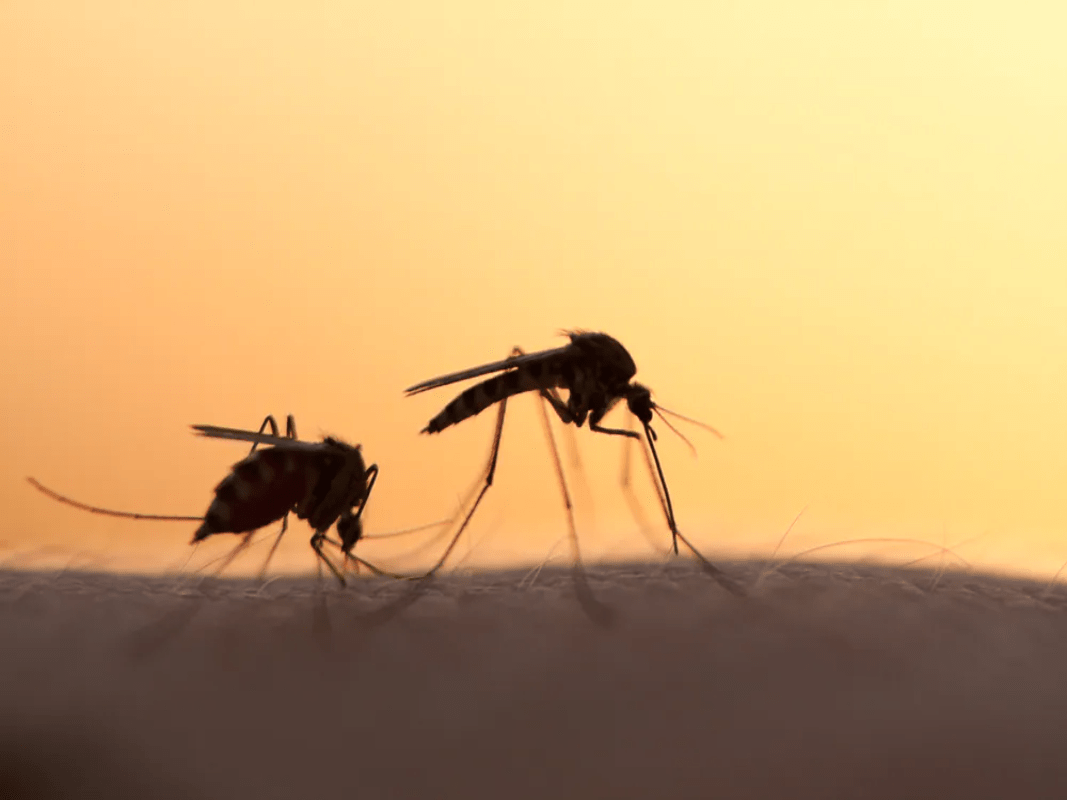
{"x": 564, "y": 413}
{"x": 353, "y": 523}
{"x": 371, "y": 471}
{"x": 724, "y": 581}
{"x": 626, "y": 484}
{"x": 594, "y": 425}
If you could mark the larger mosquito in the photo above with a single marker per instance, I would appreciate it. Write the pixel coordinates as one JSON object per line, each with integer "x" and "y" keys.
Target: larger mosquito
{"x": 597, "y": 372}
{"x": 323, "y": 482}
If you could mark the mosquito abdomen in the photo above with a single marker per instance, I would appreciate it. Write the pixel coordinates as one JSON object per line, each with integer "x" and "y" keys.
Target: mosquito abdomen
{"x": 535, "y": 375}
{"x": 258, "y": 491}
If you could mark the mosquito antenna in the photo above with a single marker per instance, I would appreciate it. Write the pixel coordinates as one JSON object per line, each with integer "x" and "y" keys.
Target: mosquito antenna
{"x": 678, "y": 433}
{"x": 690, "y": 420}
{"x": 108, "y": 511}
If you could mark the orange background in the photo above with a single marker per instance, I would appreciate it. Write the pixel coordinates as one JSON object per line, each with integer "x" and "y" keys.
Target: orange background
{"x": 833, "y": 230}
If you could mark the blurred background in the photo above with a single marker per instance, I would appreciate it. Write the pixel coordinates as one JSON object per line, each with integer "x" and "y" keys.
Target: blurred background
{"x": 833, "y": 230}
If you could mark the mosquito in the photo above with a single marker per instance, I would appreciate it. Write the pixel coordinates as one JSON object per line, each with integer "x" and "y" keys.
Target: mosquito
{"x": 597, "y": 372}
{"x": 323, "y": 482}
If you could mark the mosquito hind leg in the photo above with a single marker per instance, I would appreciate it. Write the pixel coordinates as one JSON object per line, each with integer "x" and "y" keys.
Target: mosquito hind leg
{"x": 490, "y": 471}
{"x": 270, "y": 422}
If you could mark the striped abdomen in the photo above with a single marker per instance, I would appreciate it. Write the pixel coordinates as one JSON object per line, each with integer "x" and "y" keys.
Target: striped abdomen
{"x": 259, "y": 490}
{"x": 533, "y": 376}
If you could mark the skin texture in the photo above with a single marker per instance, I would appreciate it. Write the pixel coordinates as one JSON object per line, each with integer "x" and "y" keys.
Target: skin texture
{"x": 825, "y": 681}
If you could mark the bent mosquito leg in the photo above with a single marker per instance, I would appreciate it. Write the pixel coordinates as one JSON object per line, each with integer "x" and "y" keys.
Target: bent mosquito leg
{"x": 346, "y": 523}
{"x": 381, "y": 573}
{"x": 372, "y": 472}
{"x": 596, "y": 426}
{"x": 269, "y": 422}
{"x": 490, "y": 471}
{"x": 597, "y": 611}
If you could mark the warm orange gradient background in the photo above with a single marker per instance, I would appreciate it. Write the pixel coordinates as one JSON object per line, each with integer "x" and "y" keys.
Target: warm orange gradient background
{"x": 833, "y": 230}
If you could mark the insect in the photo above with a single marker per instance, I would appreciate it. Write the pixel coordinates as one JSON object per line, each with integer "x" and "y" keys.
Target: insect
{"x": 323, "y": 482}
{"x": 597, "y": 372}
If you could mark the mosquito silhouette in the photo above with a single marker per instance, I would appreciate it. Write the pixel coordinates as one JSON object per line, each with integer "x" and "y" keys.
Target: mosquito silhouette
{"x": 323, "y": 482}
{"x": 597, "y": 372}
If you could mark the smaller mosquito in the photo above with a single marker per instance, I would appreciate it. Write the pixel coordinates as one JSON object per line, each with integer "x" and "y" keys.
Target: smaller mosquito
{"x": 597, "y": 372}
{"x": 323, "y": 482}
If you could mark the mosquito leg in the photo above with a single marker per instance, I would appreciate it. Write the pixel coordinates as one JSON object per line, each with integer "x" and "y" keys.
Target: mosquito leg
{"x": 290, "y": 433}
{"x": 269, "y": 422}
{"x": 316, "y": 545}
{"x": 381, "y": 573}
{"x": 628, "y": 490}
{"x": 558, "y": 406}
{"x": 720, "y": 576}
{"x": 273, "y": 547}
{"x": 490, "y": 471}
{"x": 596, "y": 426}
{"x": 238, "y": 548}
{"x": 371, "y": 471}
{"x": 596, "y": 610}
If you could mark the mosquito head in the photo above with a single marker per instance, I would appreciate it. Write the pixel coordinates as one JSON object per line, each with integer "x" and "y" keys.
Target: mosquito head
{"x": 639, "y": 401}
{"x": 350, "y": 529}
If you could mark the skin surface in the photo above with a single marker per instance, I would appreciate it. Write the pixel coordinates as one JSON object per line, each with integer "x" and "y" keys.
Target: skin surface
{"x": 826, "y": 681}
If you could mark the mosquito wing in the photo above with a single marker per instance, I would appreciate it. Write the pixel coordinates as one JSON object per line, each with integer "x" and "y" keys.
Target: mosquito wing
{"x": 484, "y": 369}
{"x": 217, "y": 432}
